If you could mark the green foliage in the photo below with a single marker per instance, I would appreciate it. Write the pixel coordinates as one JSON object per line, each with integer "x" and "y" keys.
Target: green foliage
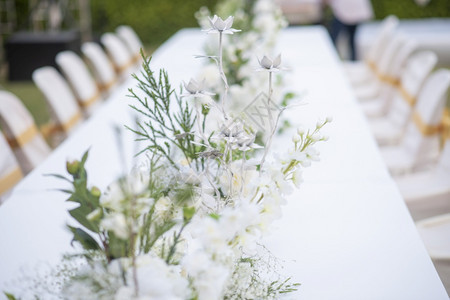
{"x": 9, "y": 296}
{"x": 408, "y": 9}
{"x": 165, "y": 127}
{"x": 154, "y": 20}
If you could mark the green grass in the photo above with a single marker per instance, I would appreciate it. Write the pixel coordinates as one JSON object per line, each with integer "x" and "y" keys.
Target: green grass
{"x": 32, "y": 98}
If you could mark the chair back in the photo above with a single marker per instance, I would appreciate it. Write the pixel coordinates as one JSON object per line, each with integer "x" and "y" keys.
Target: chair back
{"x": 400, "y": 59}
{"x": 10, "y": 172}
{"x": 422, "y": 136}
{"x": 101, "y": 66}
{"x": 394, "y": 43}
{"x": 119, "y": 54}
{"x": 387, "y": 28}
{"x": 81, "y": 81}
{"x": 444, "y": 160}
{"x": 60, "y": 99}
{"x": 417, "y": 68}
{"x": 131, "y": 40}
{"x": 21, "y": 132}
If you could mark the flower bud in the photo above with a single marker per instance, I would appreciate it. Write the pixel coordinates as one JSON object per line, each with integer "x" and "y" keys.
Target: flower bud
{"x": 73, "y": 167}
{"x": 329, "y": 119}
{"x": 296, "y": 138}
{"x": 300, "y": 131}
{"x": 95, "y": 191}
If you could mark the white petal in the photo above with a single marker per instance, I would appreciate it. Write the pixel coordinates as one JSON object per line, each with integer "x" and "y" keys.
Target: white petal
{"x": 266, "y": 62}
{"x": 277, "y": 61}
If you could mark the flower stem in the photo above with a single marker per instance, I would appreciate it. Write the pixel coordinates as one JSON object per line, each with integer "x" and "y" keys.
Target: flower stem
{"x": 222, "y": 74}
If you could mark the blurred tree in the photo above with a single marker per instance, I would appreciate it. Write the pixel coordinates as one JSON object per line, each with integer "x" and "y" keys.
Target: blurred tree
{"x": 410, "y": 9}
{"x": 153, "y": 20}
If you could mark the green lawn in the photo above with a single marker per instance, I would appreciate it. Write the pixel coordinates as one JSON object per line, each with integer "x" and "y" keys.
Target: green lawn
{"x": 31, "y": 97}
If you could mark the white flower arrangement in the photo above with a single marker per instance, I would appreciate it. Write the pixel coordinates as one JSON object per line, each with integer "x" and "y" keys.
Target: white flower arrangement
{"x": 261, "y": 21}
{"x": 187, "y": 223}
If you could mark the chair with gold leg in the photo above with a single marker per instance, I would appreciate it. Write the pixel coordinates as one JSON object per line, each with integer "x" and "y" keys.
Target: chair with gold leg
{"x": 101, "y": 66}
{"x": 420, "y": 145}
{"x": 10, "y": 172}
{"x": 389, "y": 129}
{"x": 20, "y": 130}
{"x": 427, "y": 192}
{"x": 373, "y": 86}
{"x": 132, "y": 41}
{"x": 361, "y": 71}
{"x": 378, "y": 106}
{"x": 83, "y": 85}
{"x": 119, "y": 54}
{"x": 65, "y": 112}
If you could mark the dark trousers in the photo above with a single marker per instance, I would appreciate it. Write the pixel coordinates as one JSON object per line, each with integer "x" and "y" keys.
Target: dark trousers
{"x": 337, "y": 27}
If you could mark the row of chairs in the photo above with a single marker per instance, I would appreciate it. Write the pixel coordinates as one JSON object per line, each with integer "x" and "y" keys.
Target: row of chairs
{"x": 71, "y": 98}
{"x": 404, "y": 97}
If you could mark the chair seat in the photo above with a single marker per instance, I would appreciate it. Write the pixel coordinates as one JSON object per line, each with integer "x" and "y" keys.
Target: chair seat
{"x": 370, "y": 90}
{"x": 385, "y": 132}
{"x": 426, "y": 193}
{"x": 374, "y": 108}
{"x": 358, "y": 72}
{"x": 434, "y": 233}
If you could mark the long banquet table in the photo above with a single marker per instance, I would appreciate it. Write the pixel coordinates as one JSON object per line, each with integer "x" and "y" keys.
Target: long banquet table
{"x": 345, "y": 234}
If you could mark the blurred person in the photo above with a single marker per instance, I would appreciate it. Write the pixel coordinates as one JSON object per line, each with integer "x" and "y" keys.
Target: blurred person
{"x": 347, "y": 15}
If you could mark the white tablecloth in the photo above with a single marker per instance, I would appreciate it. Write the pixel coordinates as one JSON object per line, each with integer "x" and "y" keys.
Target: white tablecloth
{"x": 346, "y": 234}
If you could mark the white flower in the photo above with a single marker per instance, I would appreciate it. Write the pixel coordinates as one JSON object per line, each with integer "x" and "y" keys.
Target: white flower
{"x": 196, "y": 89}
{"x": 297, "y": 177}
{"x": 156, "y": 281}
{"x": 117, "y": 224}
{"x": 209, "y": 276}
{"x": 220, "y": 26}
{"x": 270, "y": 65}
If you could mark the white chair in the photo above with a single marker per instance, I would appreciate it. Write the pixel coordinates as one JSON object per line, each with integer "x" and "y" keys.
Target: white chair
{"x": 101, "y": 66}
{"x": 64, "y": 109}
{"x": 81, "y": 81}
{"x": 389, "y": 129}
{"x": 119, "y": 54}
{"x": 379, "y": 105}
{"x": 372, "y": 86}
{"x": 21, "y": 132}
{"x": 361, "y": 71}
{"x": 435, "y": 233}
{"x": 131, "y": 40}
{"x": 10, "y": 172}
{"x": 427, "y": 192}
{"x": 419, "y": 146}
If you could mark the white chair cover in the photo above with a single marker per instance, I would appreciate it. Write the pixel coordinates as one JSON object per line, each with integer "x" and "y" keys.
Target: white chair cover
{"x": 427, "y": 193}
{"x": 101, "y": 66}
{"x": 81, "y": 81}
{"x": 379, "y": 106}
{"x": 360, "y": 71}
{"x": 119, "y": 54}
{"x": 435, "y": 233}
{"x": 10, "y": 172}
{"x": 60, "y": 99}
{"x": 372, "y": 87}
{"x": 420, "y": 145}
{"x": 20, "y": 130}
{"x": 389, "y": 129}
{"x": 131, "y": 40}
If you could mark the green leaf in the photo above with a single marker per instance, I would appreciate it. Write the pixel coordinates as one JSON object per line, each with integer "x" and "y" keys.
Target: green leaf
{"x": 214, "y": 216}
{"x": 9, "y": 296}
{"x": 188, "y": 213}
{"x": 80, "y": 213}
{"x": 88, "y": 242}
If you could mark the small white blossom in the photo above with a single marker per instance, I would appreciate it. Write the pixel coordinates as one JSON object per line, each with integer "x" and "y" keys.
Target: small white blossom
{"x": 270, "y": 65}
{"x": 220, "y": 26}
